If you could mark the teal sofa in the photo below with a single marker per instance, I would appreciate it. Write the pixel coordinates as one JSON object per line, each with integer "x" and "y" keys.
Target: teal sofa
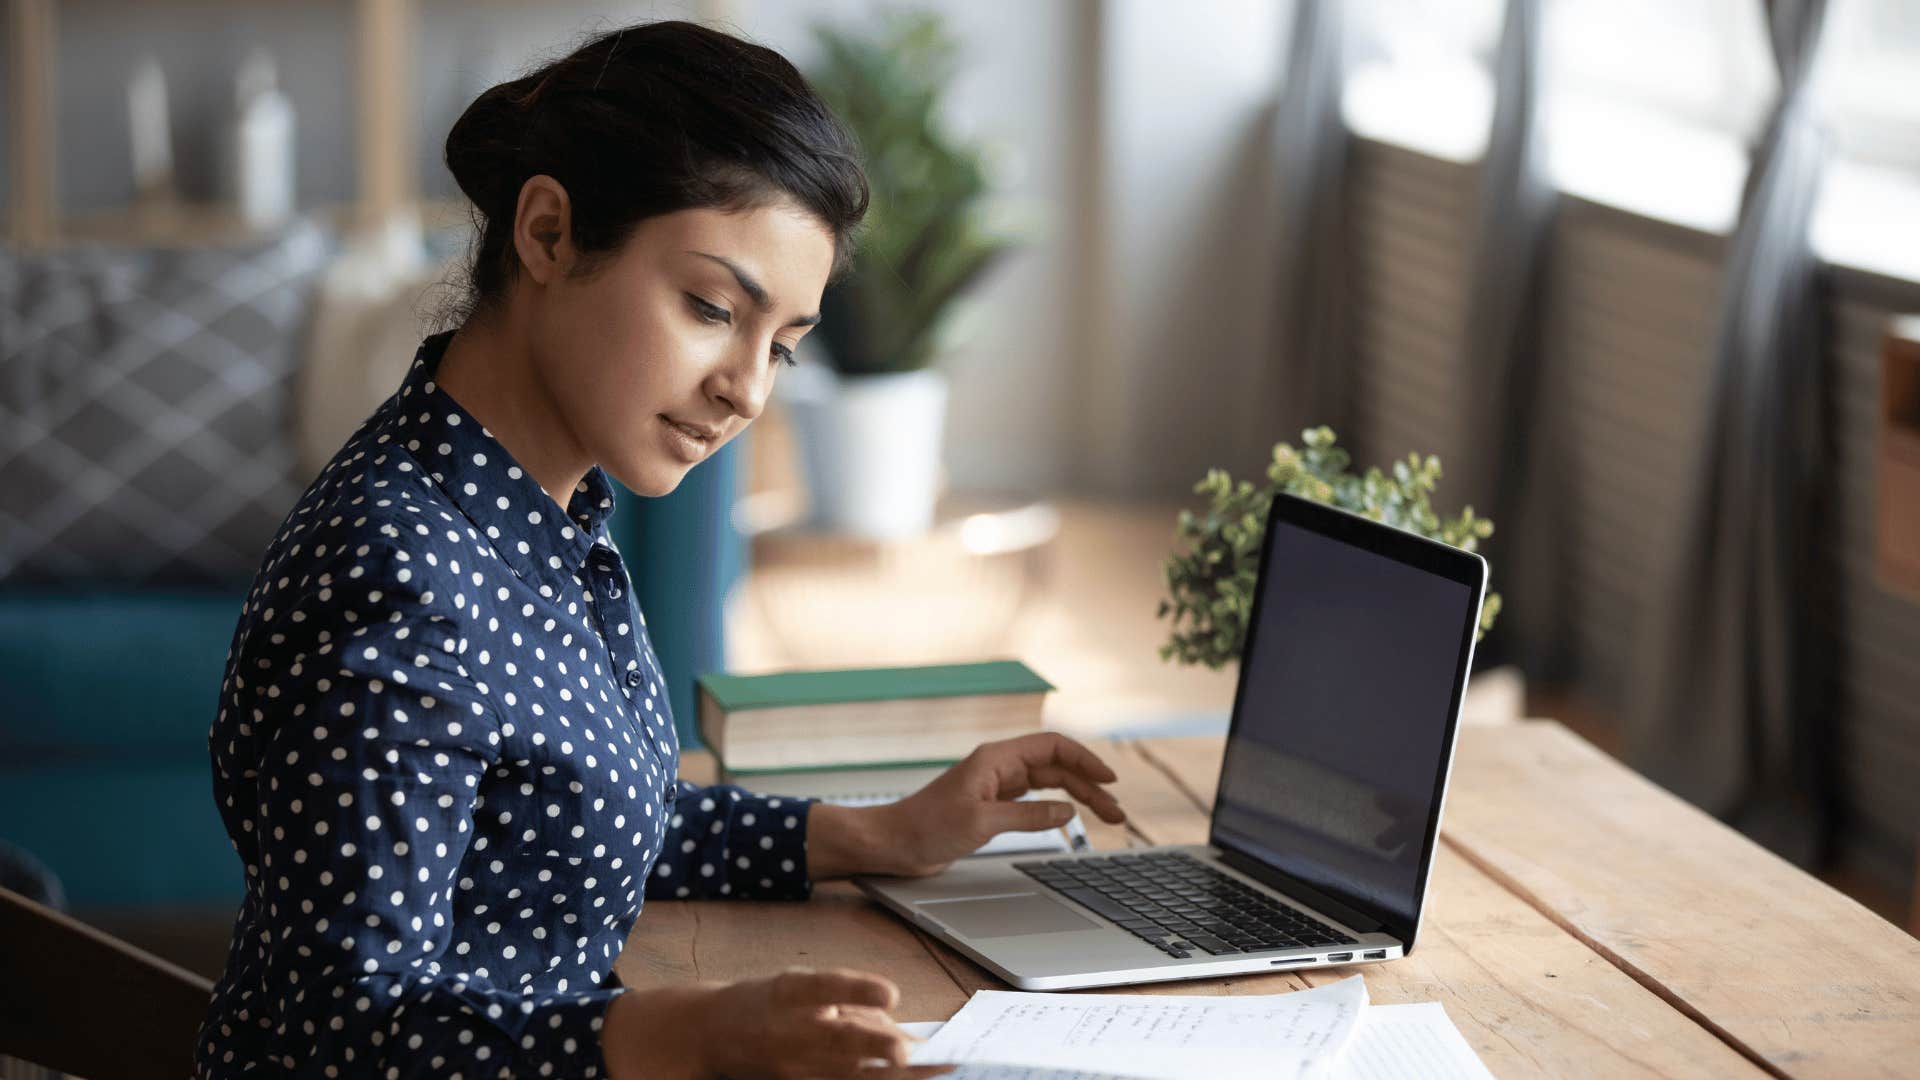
{"x": 106, "y": 696}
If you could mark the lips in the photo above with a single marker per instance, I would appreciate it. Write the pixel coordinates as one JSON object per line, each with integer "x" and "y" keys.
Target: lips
{"x": 707, "y": 433}
{"x": 683, "y": 444}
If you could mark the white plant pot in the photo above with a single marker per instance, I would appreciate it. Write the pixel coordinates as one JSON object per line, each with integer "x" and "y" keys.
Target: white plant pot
{"x": 870, "y": 447}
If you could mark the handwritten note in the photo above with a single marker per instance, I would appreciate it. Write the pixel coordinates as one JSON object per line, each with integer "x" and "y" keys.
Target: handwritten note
{"x": 1408, "y": 1042}
{"x": 1149, "y": 1035}
{"x": 1390, "y": 1042}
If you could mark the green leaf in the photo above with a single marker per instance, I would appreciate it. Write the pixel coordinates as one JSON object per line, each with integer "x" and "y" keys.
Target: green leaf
{"x": 1211, "y": 578}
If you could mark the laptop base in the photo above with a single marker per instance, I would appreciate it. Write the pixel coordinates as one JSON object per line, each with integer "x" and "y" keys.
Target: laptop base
{"x": 1037, "y": 939}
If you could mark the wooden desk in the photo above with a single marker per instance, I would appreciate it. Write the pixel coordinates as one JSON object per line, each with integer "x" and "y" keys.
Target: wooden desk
{"x": 1582, "y": 922}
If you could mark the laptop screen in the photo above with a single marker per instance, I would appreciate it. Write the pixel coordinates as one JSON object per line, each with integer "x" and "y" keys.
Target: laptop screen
{"x": 1346, "y": 708}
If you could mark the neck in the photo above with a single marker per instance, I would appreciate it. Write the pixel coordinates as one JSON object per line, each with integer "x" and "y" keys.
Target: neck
{"x": 489, "y": 368}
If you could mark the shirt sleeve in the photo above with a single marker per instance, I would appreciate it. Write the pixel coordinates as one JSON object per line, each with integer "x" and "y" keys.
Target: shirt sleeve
{"x": 373, "y": 741}
{"x": 723, "y": 840}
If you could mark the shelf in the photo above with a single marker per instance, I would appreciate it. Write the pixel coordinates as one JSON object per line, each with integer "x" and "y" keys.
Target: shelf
{"x": 384, "y": 147}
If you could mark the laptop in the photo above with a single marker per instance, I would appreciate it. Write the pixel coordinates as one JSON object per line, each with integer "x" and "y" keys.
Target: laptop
{"x": 1327, "y": 815}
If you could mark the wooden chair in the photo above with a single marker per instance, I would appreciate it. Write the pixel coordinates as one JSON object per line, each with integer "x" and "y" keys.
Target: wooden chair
{"x": 82, "y": 1002}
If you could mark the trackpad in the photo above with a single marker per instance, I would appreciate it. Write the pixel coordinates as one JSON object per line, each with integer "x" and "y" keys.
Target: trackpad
{"x": 1006, "y": 916}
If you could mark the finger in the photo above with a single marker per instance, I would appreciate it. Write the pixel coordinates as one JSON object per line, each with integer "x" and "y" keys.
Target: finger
{"x": 1011, "y": 762}
{"x": 841, "y": 986}
{"x": 853, "y": 1043}
{"x": 1096, "y": 798}
{"x": 875, "y": 1018}
{"x": 1053, "y": 748}
{"x": 1010, "y": 781}
{"x": 878, "y": 1020}
{"x": 1070, "y": 753}
{"x": 1026, "y": 815}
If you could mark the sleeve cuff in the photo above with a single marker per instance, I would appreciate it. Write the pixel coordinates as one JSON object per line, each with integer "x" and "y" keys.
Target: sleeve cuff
{"x": 559, "y": 1034}
{"x": 767, "y": 848}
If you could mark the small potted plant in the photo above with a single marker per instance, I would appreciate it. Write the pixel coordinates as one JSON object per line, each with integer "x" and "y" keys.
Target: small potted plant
{"x": 1211, "y": 578}
{"x": 871, "y": 419}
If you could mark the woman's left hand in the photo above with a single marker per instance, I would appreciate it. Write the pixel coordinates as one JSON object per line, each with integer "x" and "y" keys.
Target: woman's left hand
{"x": 979, "y": 798}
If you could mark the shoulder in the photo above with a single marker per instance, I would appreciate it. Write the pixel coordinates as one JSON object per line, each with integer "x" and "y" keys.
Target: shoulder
{"x": 372, "y": 548}
{"x": 373, "y": 518}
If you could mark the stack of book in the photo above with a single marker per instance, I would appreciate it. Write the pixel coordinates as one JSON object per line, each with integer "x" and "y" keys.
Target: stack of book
{"x": 865, "y": 735}
{"x": 864, "y": 730}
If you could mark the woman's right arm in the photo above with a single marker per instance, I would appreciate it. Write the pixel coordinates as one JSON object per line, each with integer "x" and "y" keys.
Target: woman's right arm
{"x": 366, "y": 741}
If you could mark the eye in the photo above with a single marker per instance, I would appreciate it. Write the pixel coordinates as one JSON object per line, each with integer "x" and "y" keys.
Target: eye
{"x": 709, "y": 312}
{"x": 784, "y": 355}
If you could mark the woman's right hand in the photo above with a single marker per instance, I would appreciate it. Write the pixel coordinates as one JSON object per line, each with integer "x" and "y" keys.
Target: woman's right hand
{"x": 799, "y": 1023}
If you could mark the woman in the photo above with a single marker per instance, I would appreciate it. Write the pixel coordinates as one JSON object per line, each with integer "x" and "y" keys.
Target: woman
{"x": 443, "y": 750}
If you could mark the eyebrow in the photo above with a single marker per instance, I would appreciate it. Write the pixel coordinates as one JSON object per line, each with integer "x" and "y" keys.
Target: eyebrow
{"x": 754, "y": 289}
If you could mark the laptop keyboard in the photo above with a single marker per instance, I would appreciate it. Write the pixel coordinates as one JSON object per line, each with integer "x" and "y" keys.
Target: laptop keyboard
{"x": 1178, "y": 904}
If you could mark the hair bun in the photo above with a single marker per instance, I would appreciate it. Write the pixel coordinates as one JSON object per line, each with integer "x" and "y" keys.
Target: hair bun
{"x": 485, "y": 149}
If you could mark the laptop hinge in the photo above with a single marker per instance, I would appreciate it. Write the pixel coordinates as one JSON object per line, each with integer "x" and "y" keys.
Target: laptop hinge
{"x": 1327, "y": 905}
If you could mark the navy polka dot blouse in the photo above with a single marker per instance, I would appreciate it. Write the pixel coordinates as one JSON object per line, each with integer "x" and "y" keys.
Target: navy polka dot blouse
{"x": 445, "y": 756}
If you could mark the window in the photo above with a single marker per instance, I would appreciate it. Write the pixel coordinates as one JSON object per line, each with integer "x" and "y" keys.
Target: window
{"x": 1651, "y": 105}
{"x": 1869, "y": 100}
{"x": 1422, "y": 74}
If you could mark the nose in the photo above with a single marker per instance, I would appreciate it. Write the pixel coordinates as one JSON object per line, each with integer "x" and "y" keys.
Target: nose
{"x": 745, "y": 382}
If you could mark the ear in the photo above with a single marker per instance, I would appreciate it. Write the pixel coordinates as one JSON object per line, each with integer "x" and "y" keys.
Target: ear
{"x": 543, "y": 229}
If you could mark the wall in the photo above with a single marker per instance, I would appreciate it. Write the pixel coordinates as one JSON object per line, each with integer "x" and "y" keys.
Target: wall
{"x": 1109, "y": 352}
{"x": 1183, "y": 254}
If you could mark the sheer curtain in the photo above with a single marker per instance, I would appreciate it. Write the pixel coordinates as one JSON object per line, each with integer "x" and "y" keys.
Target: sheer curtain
{"x": 1311, "y": 163}
{"x": 1502, "y": 346}
{"x": 1730, "y": 677}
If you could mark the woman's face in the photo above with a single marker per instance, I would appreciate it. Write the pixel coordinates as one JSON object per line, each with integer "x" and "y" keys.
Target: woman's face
{"x": 688, "y": 324}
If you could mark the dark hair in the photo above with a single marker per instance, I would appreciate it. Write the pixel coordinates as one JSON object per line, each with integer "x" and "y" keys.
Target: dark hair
{"x": 644, "y": 121}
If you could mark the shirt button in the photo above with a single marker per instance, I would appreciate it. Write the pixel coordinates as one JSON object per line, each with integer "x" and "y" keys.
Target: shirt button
{"x": 633, "y": 677}
{"x": 613, "y": 591}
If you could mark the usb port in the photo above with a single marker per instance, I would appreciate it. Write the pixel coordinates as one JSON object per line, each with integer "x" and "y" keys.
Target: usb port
{"x": 1337, "y": 957}
{"x": 1377, "y": 954}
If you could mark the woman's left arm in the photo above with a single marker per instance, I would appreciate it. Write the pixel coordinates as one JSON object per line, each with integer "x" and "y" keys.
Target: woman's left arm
{"x": 723, "y": 840}
{"x": 961, "y": 809}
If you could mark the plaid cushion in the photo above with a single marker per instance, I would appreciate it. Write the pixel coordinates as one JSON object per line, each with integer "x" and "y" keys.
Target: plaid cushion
{"x": 145, "y": 407}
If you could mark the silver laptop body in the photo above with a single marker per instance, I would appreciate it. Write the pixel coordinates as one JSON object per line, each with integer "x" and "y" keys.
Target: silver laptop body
{"x": 1327, "y": 815}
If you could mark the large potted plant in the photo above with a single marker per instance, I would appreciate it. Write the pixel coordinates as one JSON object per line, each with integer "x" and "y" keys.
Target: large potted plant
{"x": 1210, "y": 578}
{"x": 871, "y": 418}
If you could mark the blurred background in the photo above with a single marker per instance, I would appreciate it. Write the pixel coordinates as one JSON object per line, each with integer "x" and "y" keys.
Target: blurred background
{"x": 1634, "y": 272}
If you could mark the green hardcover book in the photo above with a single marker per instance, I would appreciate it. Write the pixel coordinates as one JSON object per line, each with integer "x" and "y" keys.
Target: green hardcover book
{"x": 866, "y": 782}
{"x": 866, "y": 716}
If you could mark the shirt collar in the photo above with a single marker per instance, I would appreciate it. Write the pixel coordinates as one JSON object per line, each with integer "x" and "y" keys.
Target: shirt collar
{"x": 488, "y": 484}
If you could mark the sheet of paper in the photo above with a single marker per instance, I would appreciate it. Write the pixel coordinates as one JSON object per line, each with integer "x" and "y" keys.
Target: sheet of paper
{"x": 1150, "y": 1035}
{"x": 1390, "y": 1042}
{"x": 924, "y": 1029}
{"x": 1024, "y": 1073}
{"x": 1408, "y": 1042}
